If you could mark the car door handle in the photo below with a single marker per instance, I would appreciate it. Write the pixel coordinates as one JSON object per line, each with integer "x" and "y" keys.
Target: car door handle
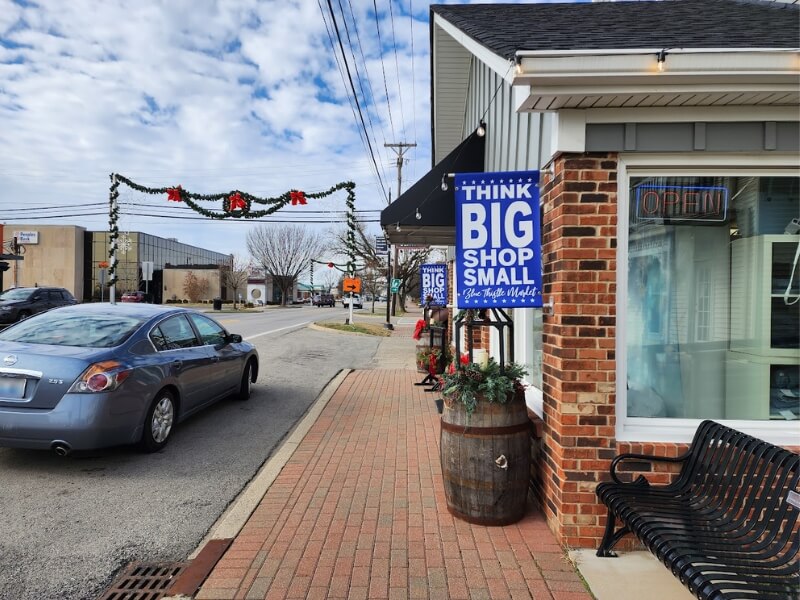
{"x": 215, "y": 359}
{"x": 177, "y": 364}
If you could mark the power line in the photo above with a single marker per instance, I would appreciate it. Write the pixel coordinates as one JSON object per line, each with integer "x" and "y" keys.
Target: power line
{"x": 362, "y": 135}
{"x": 182, "y": 218}
{"x": 397, "y": 71}
{"x": 413, "y": 79}
{"x": 371, "y": 97}
{"x": 383, "y": 66}
{"x": 355, "y": 95}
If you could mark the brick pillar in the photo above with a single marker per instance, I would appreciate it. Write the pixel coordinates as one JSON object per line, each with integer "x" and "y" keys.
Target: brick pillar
{"x": 579, "y": 258}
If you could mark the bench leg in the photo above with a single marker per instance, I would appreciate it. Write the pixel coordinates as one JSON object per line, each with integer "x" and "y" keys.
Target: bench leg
{"x": 610, "y": 537}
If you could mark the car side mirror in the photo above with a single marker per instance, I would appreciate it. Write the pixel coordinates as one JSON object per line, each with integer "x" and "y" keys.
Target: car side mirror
{"x": 234, "y": 338}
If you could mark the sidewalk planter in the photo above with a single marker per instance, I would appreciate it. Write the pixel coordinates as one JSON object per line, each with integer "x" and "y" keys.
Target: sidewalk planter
{"x": 421, "y": 352}
{"x": 485, "y": 452}
{"x": 429, "y": 359}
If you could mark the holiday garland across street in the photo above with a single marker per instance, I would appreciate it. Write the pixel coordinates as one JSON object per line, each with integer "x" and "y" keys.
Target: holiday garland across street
{"x": 234, "y": 204}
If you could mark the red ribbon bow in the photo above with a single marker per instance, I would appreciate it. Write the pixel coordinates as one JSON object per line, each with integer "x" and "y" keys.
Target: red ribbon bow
{"x": 297, "y": 198}
{"x": 236, "y": 202}
{"x": 174, "y": 194}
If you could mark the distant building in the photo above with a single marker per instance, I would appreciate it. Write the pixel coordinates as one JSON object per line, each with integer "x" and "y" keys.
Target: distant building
{"x": 69, "y": 256}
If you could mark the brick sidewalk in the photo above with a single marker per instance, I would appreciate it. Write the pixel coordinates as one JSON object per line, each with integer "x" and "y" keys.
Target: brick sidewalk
{"x": 359, "y": 512}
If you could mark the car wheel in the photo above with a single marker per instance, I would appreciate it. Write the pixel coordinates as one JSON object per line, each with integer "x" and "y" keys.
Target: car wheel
{"x": 245, "y": 387}
{"x": 158, "y": 422}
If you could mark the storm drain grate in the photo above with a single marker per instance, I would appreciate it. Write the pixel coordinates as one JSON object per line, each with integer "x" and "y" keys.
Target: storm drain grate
{"x": 142, "y": 581}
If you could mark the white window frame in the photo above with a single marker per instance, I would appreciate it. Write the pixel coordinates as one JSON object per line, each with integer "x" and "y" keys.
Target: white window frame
{"x": 640, "y": 429}
{"x": 523, "y": 335}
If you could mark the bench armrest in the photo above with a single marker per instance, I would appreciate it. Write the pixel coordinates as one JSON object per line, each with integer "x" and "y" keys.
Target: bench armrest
{"x": 630, "y": 456}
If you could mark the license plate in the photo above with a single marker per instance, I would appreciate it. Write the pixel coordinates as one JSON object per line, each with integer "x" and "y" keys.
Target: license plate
{"x": 12, "y": 387}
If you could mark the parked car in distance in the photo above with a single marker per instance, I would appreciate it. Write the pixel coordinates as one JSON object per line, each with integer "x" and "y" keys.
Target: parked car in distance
{"x": 97, "y": 375}
{"x": 356, "y": 299}
{"x": 133, "y": 297}
{"x": 22, "y": 302}
{"x": 325, "y": 300}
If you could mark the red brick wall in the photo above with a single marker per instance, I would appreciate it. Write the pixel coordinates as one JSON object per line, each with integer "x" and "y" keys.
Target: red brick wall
{"x": 579, "y": 367}
{"x": 579, "y": 255}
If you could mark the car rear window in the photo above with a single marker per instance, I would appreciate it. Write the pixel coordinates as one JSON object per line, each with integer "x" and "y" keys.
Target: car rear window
{"x": 85, "y": 331}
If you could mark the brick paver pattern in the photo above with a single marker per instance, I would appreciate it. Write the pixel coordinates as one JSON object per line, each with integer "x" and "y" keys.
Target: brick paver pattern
{"x": 359, "y": 512}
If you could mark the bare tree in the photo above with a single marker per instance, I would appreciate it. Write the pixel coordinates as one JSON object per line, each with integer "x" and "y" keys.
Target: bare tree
{"x": 194, "y": 287}
{"x": 284, "y": 251}
{"x": 236, "y": 276}
{"x": 406, "y": 270}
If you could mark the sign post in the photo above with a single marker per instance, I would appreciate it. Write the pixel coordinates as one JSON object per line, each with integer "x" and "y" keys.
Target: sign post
{"x": 147, "y": 275}
{"x": 351, "y": 285}
{"x": 381, "y": 245}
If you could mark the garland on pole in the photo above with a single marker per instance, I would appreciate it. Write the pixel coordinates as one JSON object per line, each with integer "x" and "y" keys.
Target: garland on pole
{"x": 113, "y": 230}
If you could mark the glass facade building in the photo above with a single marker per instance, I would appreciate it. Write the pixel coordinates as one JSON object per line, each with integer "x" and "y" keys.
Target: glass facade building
{"x": 133, "y": 248}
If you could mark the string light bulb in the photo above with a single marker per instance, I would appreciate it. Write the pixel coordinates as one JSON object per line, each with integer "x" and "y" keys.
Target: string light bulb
{"x": 661, "y": 58}
{"x": 518, "y": 65}
{"x": 418, "y": 215}
{"x": 481, "y": 130}
{"x": 397, "y": 227}
{"x": 444, "y": 183}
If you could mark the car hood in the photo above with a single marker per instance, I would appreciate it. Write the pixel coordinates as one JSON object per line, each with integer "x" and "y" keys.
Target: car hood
{"x": 49, "y": 371}
{"x": 10, "y": 302}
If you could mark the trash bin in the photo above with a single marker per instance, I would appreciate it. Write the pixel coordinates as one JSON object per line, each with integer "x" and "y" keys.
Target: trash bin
{"x": 217, "y": 303}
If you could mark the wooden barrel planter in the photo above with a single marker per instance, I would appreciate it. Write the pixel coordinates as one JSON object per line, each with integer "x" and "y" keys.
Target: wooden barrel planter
{"x": 486, "y": 461}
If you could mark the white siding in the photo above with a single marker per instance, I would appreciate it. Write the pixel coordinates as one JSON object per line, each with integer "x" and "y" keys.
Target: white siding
{"x": 514, "y": 140}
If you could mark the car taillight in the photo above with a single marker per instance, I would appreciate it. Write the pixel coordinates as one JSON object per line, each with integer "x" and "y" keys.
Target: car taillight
{"x": 104, "y": 376}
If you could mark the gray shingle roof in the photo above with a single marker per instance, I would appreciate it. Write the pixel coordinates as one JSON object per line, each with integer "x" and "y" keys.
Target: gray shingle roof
{"x": 508, "y": 28}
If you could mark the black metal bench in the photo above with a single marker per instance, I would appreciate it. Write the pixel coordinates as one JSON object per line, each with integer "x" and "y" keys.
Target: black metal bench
{"x": 727, "y": 527}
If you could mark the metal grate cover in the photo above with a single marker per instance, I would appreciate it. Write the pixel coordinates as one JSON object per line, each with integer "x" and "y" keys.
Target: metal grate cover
{"x": 144, "y": 581}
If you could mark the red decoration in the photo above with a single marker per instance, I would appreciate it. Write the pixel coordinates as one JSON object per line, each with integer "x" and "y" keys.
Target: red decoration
{"x": 433, "y": 364}
{"x": 297, "y": 198}
{"x": 174, "y": 194}
{"x": 236, "y": 202}
{"x": 330, "y": 265}
{"x": 418, "y": 329}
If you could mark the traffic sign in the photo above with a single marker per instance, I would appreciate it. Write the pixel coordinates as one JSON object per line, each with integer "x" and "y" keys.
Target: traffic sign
{"x": 395, "y": 286}
{"x": 147, "y": 270}
{"x": 351, "y": 284}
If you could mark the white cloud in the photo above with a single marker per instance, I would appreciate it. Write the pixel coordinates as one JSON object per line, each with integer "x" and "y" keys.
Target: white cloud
{"x": 211, "y": 94}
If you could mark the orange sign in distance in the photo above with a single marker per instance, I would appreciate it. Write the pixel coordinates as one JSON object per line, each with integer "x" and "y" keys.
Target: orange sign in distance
{"x": 351, "y": 284}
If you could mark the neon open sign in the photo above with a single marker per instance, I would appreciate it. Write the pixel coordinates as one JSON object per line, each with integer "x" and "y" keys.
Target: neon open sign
{"x": 682, "y": 203}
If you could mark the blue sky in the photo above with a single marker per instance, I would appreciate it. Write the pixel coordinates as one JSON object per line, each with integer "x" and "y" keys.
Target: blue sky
{"x": 211, "y": 95}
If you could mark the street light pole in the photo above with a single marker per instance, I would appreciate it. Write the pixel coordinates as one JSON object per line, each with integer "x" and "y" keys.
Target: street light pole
{"x": 400, "y": 149}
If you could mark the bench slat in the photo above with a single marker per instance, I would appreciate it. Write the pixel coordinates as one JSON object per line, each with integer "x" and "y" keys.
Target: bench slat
{"x": 723, "y": 526}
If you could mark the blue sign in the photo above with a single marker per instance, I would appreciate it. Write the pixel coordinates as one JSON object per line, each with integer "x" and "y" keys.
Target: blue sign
{"x": 498, "y": 246}
{"x": 433, "y": 283}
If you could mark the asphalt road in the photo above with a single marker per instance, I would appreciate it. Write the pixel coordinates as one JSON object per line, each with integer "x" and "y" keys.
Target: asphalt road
{"x": 70, "y": 524}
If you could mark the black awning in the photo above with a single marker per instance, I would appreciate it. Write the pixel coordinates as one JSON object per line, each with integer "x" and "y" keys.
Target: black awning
{"x": 437, "y": 222}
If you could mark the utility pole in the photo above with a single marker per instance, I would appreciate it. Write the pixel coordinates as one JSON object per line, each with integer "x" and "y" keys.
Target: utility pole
{"x": 399, "y": 149}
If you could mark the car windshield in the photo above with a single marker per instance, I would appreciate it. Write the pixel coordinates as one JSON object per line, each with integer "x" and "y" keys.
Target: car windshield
{"x": 70, "y": 329}
{"x": 15, "y": 294}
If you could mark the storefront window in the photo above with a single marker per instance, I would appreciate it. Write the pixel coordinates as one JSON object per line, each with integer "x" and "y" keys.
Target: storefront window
{"x": 713, "y": 299}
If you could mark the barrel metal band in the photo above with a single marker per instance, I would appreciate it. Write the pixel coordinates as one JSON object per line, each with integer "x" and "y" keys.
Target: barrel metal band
{"x": 467, "y": 429}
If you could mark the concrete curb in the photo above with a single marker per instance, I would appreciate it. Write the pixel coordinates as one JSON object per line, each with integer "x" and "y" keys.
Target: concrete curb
{"x": 237, "y": 513}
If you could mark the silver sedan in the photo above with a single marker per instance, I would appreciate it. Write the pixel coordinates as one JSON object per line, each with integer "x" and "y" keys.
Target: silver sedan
{"x": 97, "y": 375}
